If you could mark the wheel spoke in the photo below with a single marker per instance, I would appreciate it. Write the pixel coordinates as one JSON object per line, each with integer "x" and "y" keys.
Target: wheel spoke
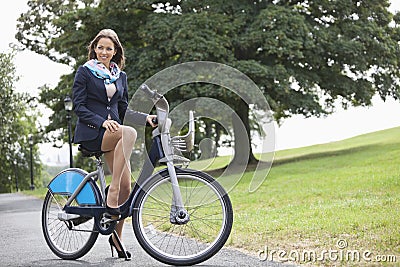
{"x": 66, "y": 240}
{"x": 201, "y": 237}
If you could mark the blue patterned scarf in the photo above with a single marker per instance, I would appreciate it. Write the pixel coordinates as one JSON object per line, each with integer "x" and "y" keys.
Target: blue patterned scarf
{"x": 101, "y": 72}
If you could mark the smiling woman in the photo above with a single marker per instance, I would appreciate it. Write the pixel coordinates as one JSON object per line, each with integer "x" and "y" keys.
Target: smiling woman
{"x": 100, "y": 97}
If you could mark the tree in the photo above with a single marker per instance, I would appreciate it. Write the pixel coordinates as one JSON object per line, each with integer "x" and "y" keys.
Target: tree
{"x": 18, "y": 120}
{"x": 306, "y": 56}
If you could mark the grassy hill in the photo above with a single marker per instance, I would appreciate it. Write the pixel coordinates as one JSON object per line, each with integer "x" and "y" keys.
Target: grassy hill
{"x": 317, "y": 196}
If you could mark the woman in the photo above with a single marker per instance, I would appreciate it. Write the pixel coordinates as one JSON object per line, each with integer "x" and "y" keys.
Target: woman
{"x": 100, "y": 97}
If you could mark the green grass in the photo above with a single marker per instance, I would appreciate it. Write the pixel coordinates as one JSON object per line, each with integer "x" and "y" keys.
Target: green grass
{"x": 210, "y": 164}
{"x": 38, "y": 192}
{"x": 317, "y": 195}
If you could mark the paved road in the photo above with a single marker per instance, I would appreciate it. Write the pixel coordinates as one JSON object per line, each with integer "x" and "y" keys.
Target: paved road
{"x": 23, "y": 244}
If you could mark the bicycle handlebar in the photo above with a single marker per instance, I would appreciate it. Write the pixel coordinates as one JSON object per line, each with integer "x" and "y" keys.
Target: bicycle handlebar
{"x": 150, "y": 93}
{"x": 161, "y": 105}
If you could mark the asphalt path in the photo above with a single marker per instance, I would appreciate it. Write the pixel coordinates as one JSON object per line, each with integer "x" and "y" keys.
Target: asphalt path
{"x": 23, "y": 244}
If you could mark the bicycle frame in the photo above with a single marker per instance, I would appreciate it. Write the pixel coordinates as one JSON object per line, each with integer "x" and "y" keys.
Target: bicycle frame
{"x": 174, "y": 227}
{"x": 162, "y": 150}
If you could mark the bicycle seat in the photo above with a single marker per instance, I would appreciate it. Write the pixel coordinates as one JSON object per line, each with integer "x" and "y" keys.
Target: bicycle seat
{"x": 87, "y": 153}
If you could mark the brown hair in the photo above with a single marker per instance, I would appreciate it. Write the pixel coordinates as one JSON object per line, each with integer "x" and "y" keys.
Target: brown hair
{"x": 119, "y": 56}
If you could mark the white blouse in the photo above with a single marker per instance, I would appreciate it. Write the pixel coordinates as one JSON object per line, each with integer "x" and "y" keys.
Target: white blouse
{"x": 110, "y": 89}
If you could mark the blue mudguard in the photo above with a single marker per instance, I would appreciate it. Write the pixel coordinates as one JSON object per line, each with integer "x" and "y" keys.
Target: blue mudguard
{"x": 68, "y": 180}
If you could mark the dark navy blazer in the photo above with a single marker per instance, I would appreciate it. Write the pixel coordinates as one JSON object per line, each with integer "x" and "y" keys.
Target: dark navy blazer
{"x": 92, "y": 107}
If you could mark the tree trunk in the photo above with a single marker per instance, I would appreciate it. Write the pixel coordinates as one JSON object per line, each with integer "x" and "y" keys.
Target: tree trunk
{"x": 217, "y": 128}
{"x": 241, "y": 130}
{"x": 207, "y": 145}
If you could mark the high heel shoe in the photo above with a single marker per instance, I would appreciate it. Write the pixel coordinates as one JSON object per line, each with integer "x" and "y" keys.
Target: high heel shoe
{"x": 120, "y": 253}
{"x": 113, "y": 211}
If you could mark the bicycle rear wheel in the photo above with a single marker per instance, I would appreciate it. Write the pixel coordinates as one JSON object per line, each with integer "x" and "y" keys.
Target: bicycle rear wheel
{"x": 206, "y": 232}
{"x": 69, "y": 239}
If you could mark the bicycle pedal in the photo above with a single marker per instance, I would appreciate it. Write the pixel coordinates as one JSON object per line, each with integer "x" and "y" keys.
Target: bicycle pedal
{"x": 112, "y": 217}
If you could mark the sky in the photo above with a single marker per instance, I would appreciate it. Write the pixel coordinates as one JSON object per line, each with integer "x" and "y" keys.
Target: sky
{"x": 35, "y": 70}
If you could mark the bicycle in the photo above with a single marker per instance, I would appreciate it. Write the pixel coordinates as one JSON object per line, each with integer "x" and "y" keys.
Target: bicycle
{"x": 179, "y": 216}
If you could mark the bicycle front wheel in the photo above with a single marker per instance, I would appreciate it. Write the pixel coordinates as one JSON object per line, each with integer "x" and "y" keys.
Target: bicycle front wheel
{"x": 68, "y": 239}
{"x": 195, "y": 241}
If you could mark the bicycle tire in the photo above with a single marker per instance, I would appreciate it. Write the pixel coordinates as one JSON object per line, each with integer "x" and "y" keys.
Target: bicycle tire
{"x": 210, "y": 223}
{"x": 66, "y": 243}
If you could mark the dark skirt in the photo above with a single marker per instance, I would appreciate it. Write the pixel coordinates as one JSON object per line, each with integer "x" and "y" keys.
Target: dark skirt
{"x": 94, "y": 145}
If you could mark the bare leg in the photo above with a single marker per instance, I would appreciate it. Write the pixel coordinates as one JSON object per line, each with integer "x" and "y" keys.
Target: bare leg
{"x": 125, "y": 189}
{"x": 119, "y": 147}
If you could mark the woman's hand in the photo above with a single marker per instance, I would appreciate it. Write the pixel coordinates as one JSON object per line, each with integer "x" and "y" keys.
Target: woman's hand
{"x": 111, "y": 125}
{"x": 149, "y": 120}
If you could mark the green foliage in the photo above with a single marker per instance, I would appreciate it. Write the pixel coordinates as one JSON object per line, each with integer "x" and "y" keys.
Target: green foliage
{"x": 305, "y": 56}
{"x": 325, "y": 47}
{"x": 18, "y": 120}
